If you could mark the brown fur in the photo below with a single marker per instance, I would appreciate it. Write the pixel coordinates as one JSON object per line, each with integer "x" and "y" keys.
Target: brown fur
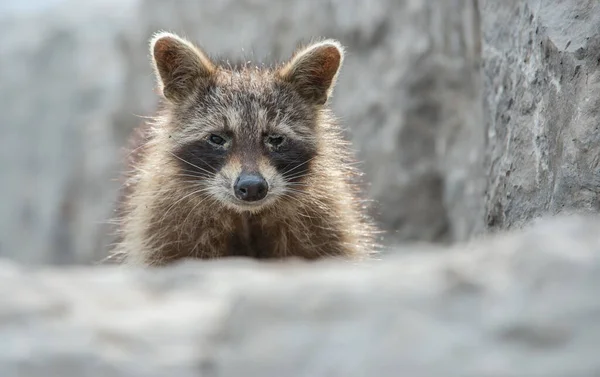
{"x": 173, "y": 209}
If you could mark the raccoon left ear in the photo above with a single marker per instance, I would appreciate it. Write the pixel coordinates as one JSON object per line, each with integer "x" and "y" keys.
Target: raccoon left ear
{"x": 180, "y": 67}
{"x": 314, "y": 70}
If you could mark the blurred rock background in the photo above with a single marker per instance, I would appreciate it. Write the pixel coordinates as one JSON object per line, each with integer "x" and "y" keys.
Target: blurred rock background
{"x": 467, "y": 115}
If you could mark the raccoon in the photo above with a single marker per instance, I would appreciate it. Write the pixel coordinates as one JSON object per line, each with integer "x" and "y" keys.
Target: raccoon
{"x": 243, "y": 161}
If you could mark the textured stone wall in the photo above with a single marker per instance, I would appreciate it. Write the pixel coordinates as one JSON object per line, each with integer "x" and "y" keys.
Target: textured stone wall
{"x": 520, "y": 305}
{"x": 542, "y": 106}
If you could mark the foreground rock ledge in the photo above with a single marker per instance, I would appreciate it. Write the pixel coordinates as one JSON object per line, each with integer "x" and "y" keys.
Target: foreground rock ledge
{"x": 522, "y": 304}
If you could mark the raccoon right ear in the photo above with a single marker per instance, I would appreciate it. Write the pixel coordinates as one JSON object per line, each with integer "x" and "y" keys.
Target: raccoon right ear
{"x": 179, "y": 66}
{"x": 313, "y": 70}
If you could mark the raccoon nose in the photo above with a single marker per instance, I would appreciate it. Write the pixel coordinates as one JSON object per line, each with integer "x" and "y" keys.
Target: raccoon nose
{"x": 250, "y": 187}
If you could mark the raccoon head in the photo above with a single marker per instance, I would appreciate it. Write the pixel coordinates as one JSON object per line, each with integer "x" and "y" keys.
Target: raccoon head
{"x": 244, "y": 137}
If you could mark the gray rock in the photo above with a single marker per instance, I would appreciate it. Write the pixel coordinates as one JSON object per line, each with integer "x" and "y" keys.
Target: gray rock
{"x": 542, "y": 101}
{"x": 518, "y": 304}
{"x": 63, "y": 86}
{"x": 75, "y": 75}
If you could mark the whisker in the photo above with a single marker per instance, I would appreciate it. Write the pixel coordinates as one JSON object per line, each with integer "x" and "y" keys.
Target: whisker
{"x": 295, "y": 190}
{"x": 303, "y": 212}
{"x": 184, "y": 222}
{"x": 209, "y": 165}
{"x": 298, "y": 201}
{"x": 290, "y": 179}
{"x": 194, "y": 181}
{"x": 294, "y": 161}
{"x": 191, "y": 175}
{"x": 117, "y": 257}
{"x": 189, "y": 171}
{"x": 291, "y": 162}
{"x": 197, "y": 167}
{"x": 297, "y": 166}
{"x": 204, "y": 189}
{"x": 312, "y": 198}
{"x": 300, "y": 174}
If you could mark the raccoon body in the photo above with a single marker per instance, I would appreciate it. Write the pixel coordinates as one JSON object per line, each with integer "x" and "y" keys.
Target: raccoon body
{"x": 242, "y": 162}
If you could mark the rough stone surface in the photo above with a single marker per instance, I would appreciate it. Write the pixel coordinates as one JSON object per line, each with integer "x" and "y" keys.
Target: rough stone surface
{"x": 75, "y": 76}
{"x": 520, "y": 305}
{"x": 542, "y": 106}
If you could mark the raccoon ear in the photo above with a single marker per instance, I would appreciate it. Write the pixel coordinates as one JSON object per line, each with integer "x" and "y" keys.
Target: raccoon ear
{"x": 314, "y": 70}
{"x": 179, "y": 66}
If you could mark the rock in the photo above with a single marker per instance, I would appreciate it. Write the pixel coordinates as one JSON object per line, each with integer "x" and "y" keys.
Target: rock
{"x": 63, "y": 88}
{"x": 542, "y": 106}
{"x": 72, "y": 92}
{"x": 517, "y": 304}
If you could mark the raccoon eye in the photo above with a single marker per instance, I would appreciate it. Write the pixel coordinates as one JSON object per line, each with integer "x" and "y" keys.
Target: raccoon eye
{"x": 275, "y": 141}
{"x": 216, "y": 139}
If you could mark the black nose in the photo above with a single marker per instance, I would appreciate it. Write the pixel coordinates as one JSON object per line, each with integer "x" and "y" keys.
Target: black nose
{"x": 250, "y": 187}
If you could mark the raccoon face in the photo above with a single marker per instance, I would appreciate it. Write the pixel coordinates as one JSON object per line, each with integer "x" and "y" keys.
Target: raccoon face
{"x": 244, "y": 138}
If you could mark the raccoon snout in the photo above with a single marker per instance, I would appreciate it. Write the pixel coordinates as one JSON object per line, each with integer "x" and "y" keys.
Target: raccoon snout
{"x": 250, "y": 187}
